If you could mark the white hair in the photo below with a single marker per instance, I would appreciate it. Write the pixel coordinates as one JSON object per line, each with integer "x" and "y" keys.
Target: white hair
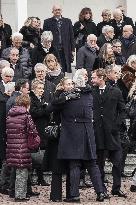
{"x": 4, "y": 63}
{"x": 107, "y": 28}
{"x": 40, "y": 66}
{"x": 91, "y": 36}
{"x": 117, "y": 11}
{"x": 17, "y": 35}
{"x": 7, "y": 71}
{"x": 79, "y": 79}
{"x": 131, "y": 60}
{"x": 46, "y": 35}
{"x": 128, "y": 27}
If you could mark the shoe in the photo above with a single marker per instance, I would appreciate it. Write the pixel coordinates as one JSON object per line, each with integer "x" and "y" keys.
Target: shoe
{"x": 124, "y": 175}
{"x": 88, "y": 184}
{"x": 106, "y": 196}
{"x": 22, "y": 200}
{"x": 72, "y": 200}
{"x": 32, "y": 193}
{"x": 100, "y": 197}
{"x": 118, "y": 193}
{"x": 133, "y": 188}
{"x": 12, "y": 195}
{"x": 4, "y": 191}
{"x": 43, "y": 183}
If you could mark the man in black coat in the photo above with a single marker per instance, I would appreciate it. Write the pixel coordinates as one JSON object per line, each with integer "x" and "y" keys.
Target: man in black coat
{"x": 119, "y": 21}
{"x": 109, "y": 110}
{"x": 106, "y": 36}
{"x": 128, "y": 40}
{"x": 63, "y": 37}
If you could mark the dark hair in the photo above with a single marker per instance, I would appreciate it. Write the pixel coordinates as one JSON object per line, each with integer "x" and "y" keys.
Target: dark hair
{"x": 23, "y": 100}
{"x": 116, "y": 41}
{"x": 100, "y": 73}
{"x": 83, "y": 12}
{"x": 20, "y": 83}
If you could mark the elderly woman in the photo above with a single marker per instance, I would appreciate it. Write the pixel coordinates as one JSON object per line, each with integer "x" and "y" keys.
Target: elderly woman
{"x": 84, "y": 27}
{"x": 40, "y": 74}
{"x": 77, "y": 141}
{"x": 46, "y": 91}
{"x": 54, "y": 72}
{"x": 5, "y": 92}
{"x": 45, "y": 47}
{"x": 106, "y": 17}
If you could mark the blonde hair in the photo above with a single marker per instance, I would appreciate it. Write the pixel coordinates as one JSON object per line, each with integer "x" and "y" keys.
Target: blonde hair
{"x": 51, "y": 57}
{"x": 131, "y": 60}
{"x": 35, "y": 84}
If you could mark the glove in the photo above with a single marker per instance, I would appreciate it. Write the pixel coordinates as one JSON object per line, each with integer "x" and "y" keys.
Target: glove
{"x": 72, "y": 96}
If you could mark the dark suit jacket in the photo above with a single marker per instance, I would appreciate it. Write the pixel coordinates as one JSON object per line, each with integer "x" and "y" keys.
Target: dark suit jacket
{"x": 109, "y": 111}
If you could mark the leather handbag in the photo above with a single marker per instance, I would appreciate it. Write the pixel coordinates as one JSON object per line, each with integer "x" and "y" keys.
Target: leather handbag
{"x": 52, "y": 132}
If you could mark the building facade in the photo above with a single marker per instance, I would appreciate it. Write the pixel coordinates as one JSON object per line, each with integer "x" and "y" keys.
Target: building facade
{"x": 15, "y": 12}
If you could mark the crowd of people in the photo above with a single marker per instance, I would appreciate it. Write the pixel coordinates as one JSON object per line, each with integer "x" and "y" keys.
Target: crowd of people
{"x": 88, "y": 112}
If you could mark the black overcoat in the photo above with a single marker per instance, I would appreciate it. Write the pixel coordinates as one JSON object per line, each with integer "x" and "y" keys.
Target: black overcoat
{"x": 109, "y": 111}
{"x": 66, "y": 34}
{"x": 77, "y": 139}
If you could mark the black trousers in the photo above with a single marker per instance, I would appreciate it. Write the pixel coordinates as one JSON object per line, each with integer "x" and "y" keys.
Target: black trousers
{"x": 115, "y": 157}
{"x": 63, "y": 60}
{"x": 73, "y": 178}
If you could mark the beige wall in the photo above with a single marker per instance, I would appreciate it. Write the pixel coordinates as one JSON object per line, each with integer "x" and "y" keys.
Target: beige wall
{"x": 71, "y": 8}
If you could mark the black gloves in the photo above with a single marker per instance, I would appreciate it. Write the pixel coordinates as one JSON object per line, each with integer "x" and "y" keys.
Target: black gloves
{"x": 72, "y": 96}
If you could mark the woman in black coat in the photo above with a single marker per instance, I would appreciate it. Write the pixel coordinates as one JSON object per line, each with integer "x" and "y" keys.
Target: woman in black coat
{"x": 41, "y": 118}
{"x": 31, "y": 33}
{"x": 77, "y": 141}
{"x": 54, "y": 73}
{"x": 84, "y": 27}
{"x": 45, "y": 47}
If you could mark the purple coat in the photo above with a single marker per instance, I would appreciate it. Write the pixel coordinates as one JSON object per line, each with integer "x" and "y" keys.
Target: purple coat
{"x": 17, "y": 124}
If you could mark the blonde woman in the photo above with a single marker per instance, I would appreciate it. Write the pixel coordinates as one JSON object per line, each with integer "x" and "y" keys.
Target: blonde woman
{"x": 54, "y": 72}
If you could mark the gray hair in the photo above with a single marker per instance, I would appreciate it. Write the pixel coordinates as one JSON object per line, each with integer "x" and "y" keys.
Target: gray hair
{"x": 3, "y": 64}
{"x": 7, "y": 71}
{"x": 131, "y": 60}
{"x": 117, "y": 11}
{"x": 106, "y": 11}
{"x": 17, "y": 35}
{"x": 107, "y": 28}
{"x": 78, "y": 78}
{"x": 91, "y": 36}
{"x": 40, "y": 66}
{"x": 46, "y": 35}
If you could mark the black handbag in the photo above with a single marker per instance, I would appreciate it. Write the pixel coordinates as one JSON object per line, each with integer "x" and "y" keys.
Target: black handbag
{"x": 52, "y": 131}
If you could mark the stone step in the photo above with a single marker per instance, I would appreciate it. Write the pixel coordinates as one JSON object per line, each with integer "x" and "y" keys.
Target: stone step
{"x": 129, "y": 167}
